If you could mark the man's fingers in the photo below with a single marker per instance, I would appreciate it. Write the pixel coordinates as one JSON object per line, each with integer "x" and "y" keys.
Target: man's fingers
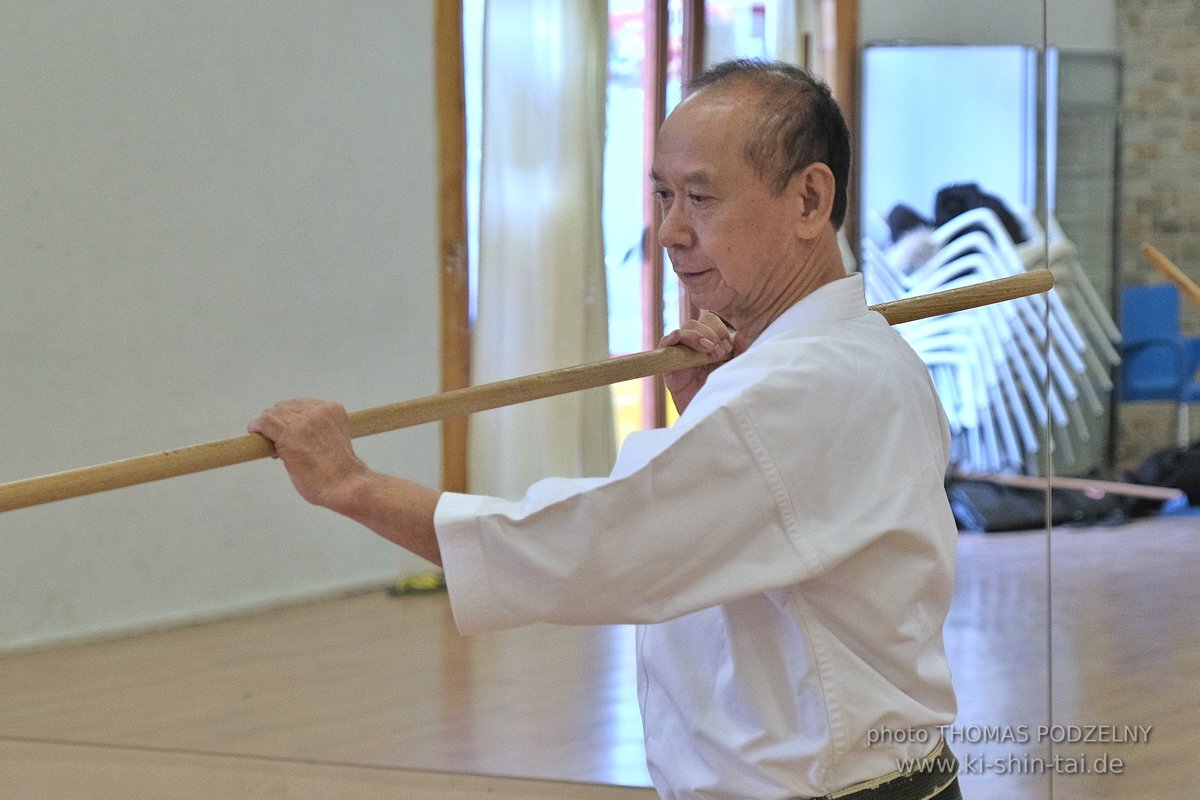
{"x": 713, "y": 326}
{"x": 277, "y": 419}
{"x": 696, "y": 336}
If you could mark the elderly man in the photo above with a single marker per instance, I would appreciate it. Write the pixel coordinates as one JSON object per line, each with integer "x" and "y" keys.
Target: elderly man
{"x": 786, "y": 548}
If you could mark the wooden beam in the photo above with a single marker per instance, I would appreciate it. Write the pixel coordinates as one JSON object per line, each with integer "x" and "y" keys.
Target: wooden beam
{"x": 844, "y": 80}
{"x": 695, "y": 26}
{"x": 452, "y": 226}
{"x": 654, "y": 77}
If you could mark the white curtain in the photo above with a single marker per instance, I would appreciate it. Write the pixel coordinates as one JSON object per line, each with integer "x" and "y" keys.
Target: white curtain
{"x": 541, "y": 292}
{"x": 788, "y": 23}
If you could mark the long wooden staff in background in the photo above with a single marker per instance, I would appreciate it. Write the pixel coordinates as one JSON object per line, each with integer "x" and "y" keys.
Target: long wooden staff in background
{"x": 1173, "y": 273}
{"x": 458, "y": 402}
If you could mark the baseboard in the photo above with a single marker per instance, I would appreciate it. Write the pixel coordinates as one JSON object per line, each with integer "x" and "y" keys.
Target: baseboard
{"x": 244, "y": 607}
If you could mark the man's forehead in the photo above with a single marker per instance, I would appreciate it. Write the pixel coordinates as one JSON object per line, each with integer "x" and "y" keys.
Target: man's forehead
{"x": 692, "y": 177}
{"x": 698, "y": 137}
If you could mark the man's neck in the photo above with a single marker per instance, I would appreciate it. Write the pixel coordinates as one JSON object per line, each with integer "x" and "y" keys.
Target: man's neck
{"x": 822, "y": 266}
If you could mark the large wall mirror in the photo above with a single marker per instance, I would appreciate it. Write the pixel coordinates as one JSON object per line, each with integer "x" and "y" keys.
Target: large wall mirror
{"x": 1121, "y": 652}
{"x": 992, "y": 138}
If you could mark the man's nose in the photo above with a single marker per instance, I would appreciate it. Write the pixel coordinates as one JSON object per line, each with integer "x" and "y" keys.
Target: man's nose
{"x": 674, "y": 230}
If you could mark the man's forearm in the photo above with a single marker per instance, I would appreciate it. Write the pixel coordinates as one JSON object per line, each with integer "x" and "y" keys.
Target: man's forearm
{"x": 399, "y": 510}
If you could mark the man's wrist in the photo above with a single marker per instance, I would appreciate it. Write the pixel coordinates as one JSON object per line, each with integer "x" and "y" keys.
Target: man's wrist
{"x": 351, "y": 491}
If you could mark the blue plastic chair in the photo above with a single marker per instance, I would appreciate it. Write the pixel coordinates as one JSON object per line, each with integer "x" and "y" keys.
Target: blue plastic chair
{"x": 1157, "y": 362}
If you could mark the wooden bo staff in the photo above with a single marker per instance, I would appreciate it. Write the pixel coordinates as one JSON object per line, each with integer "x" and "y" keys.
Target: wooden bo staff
{"x": 1163, "y": 493}
{"x": 458, "y": 402}
{"x": 1172, "y": 272}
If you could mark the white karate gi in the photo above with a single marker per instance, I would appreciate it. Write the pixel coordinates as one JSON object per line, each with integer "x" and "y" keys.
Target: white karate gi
{"x": 786, "y": 547}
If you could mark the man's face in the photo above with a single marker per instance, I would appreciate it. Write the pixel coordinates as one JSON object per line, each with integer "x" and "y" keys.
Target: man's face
{"x": 731, "y": 241}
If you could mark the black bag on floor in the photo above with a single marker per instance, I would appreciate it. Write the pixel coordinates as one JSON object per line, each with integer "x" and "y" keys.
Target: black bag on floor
{"x": 1175, "y": 468}
{"x": 989, "y": 507}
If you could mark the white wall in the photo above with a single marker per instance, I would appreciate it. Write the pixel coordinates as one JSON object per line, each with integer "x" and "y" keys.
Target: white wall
{"x": 205, "y": 207}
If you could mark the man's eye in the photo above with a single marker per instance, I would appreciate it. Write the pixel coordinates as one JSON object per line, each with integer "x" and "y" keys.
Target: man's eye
{"x": 698, "y": 198}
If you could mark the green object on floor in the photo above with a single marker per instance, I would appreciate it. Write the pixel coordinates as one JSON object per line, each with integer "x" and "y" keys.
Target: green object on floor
{"x": 422, "y": 583}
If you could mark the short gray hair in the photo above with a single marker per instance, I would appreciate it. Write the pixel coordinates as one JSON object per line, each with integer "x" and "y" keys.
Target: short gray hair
{"x": 800, "y": 124}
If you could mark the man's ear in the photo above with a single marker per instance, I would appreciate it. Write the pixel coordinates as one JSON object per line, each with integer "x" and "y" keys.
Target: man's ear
{"x": 812, "y": 189}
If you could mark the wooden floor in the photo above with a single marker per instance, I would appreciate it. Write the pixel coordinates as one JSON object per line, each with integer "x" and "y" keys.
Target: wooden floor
{"x": 375, "y": 696}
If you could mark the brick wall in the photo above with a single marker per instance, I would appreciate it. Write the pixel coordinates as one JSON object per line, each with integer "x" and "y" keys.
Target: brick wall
{"x": 1160, "y": 48}
{"x": 1159, "y": 42}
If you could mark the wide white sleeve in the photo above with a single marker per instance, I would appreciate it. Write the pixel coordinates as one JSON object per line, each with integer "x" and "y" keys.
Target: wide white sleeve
{"x": 688, "y": 519}
{"x": 793, "y": 458}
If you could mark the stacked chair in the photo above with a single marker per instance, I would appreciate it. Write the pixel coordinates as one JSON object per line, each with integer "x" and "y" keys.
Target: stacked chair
{"x": 1006, "y": 372}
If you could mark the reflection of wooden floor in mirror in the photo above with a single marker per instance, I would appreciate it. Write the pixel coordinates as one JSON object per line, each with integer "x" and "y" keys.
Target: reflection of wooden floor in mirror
{"x": 374, "y": 696}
